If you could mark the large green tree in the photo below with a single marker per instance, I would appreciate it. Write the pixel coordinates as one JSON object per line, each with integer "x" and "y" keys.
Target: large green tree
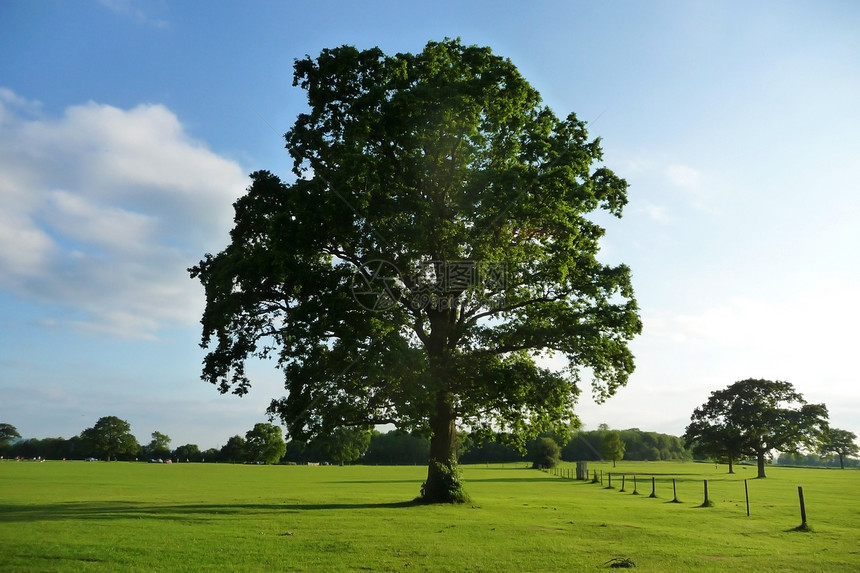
{"x": 438, "y": 242}
{"x": 265, "y": 443}
{"x": 111, "y": 437}
{"x": 754, "y": 417}
{"x": 840, "y": 442}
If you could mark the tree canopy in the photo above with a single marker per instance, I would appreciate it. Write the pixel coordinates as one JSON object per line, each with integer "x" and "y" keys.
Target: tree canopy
{"x": 8, "y": 432}
{"x": 613, "y": 447}
{"x": 437, "y": 243}
{"x": 840, "y": 442}
{"x": 753, "y": 417}
{"x": 265, "y": 443}
{"x": 111, "y": 437}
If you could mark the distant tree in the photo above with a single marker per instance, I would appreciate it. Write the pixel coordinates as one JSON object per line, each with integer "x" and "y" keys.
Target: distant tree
{"x": 546, "y": 453}
{"x": 188, "y": 452}
{"x": 344, "y": 444}
{"x": 397, "y": 447}
{"x": 613, "y": 447}
{"x": 111, "y": 437}
{"x": 159, "y": 447}
{"x": 495, "y": 449}
{"x": 211, "y": 454}
{"x": 754, "y": 417}
{"x": 716, "y": 437}
{"x": 840, "y": 442}
{"x": 234, "y": 450}
{"x": 265, "y": 443}
{"x": 8, "y": 432}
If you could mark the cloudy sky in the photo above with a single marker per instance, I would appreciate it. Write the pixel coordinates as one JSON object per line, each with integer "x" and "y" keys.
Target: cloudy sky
{"x": 127, "y": 129}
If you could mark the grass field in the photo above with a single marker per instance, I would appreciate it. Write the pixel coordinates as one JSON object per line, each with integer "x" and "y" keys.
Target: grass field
{"x": 77, "y": 516}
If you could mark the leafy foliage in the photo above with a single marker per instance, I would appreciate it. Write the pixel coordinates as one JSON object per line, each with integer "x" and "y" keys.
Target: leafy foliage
{"x": 435, "y": 244}
{"x": 265, "y": 443}
{"x": 613, "y": 447}
{"x": 344, "y": 445}
{"x": 753, "y": 417}
{"x": 8, "y": 432}
{"x": 159, "y": 447}
{"x": 840, "y": 442}
{"x": 639, "y": 445}
{"x": 545, "y": 453}
{"x": 111, "y": 437}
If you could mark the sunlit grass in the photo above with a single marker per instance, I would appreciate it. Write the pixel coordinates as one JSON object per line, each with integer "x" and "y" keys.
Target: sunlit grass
{"x": 76, "y": 516}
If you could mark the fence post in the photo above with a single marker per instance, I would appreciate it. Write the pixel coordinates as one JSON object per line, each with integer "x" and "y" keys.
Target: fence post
{"x": 674, "y": 492}
{"x": 610, "y": 482}
{"x": 803, "y": 525}
{"x": 707, "y": 502}
{"x": 747, "y": 494}
{"x": 623, "y": 479}
{"x": 653, "y": 488}
{"x": 635, "y": 492}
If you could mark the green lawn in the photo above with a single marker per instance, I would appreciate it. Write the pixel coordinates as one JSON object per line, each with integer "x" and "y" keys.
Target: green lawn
{"x": 77, "y": 516}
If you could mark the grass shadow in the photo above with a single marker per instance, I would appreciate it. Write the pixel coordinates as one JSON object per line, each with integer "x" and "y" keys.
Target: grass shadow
{"x": 71, "y": 511}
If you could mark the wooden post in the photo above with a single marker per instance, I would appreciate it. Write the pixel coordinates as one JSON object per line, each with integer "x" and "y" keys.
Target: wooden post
{"x": 653, "y": 488}
{"x": 747, "y": 493}
{"x": 707, "y": 502}
{"x": 674, "y": 492}
{"x": 610, "y": 482}
{"x": 623, "y": 476}
{"x": 635, "y": 492}
{"x": 803, "y": 525}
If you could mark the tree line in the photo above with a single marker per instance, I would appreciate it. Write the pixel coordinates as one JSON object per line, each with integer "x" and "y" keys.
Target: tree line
{"x": 749, "y": 420}
{"x": 111, "y": 439}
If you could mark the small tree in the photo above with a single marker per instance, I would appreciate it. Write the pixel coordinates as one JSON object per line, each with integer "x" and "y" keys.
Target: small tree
{"x": 265, "y": 443}
{"x": 754, "y": 417}
{"x": 111, "y": 437}
{"x": 188, "y": 452}
{"x": 159, "y": 447}
{"x": 546, "y": 453}
{"x": 841, "y": 443}
{"x": 344, "y": 444}
{"x": 234, "y": 450}
{"x": 613, "y": 447}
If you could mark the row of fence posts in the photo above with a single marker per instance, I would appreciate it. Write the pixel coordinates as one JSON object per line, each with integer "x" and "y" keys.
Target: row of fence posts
{"x": 581, "y": 474}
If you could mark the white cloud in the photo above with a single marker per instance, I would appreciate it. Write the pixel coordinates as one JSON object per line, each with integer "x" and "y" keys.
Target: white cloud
{"x": 127, "y": 8}
{"x": 104, "y": 209}
{"x": 806, "y": 336}
{"x": 657, "y": 213}
{"x": 684, "y": 176}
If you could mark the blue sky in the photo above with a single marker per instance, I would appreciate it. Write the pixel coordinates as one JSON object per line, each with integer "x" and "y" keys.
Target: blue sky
{"x": 128, "y": 128}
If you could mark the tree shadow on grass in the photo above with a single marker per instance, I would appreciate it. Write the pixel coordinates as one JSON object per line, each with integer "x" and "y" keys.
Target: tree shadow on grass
{"x": 87, "y": 510}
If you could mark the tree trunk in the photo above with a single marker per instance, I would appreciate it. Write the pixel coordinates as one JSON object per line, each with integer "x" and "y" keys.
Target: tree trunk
{"x": 760, "y": 456}
{"x": 731, "y": 467}
{"x": 841, "y": 461}
{"x": 443, "y": 479}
